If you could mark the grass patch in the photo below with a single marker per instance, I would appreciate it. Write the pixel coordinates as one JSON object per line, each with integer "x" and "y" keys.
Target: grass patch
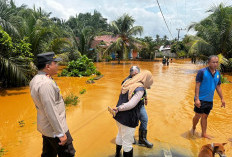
{"x": 71, "y": 100}
{"x": 83, "y": 91}
{"x": 90, "y": 80}
{"x": 2, "y": 152}
{"x": 21, "y": 123}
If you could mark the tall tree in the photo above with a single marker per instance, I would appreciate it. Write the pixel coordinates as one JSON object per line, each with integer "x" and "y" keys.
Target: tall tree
{"x": 124, "y": 29}
{"x": 215, "y": 31}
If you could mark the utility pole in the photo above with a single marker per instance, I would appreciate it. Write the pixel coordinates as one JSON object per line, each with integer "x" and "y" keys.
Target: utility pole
{"x": 179, "y": 29}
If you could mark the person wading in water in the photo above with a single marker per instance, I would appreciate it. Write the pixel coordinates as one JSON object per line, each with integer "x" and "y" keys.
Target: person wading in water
{"x": 134, "y": 70}
{"x": 128, "y": 110}
{"x": 207, "y": 80}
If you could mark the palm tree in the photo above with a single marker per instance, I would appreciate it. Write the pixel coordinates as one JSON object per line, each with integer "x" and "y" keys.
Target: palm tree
{"x": 215, "y": 31}
{"x": 8, "y": 16}
{"x": 123, "y": 29}
{"x": 149, "y": 48}
{"x": 36, "y": 25}
{"x": 84, "y": 27}
{"x": 14, "y": 71}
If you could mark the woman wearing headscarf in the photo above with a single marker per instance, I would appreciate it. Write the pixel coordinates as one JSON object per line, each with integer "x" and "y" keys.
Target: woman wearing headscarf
{"x": 128, "y": 110}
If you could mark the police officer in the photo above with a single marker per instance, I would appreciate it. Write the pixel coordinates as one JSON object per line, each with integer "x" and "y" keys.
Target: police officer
{"x": 51, "y": 116}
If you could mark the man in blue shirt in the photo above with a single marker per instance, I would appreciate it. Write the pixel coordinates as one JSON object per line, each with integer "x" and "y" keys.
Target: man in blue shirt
{"x": 207, "y": 80}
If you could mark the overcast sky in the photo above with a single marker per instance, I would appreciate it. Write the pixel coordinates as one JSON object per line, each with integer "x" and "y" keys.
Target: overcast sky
{"x": 178, "y": 13}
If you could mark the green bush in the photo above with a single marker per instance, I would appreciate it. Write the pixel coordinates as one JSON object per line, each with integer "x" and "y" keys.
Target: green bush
{"x": 64, "y": 57}
{"x": 108, "y": 58}
{"x": 81, "y": 67}
{"x": 181, "y": 54}
{"x": 224, "y": 79}
{"x": 71, "y": 100}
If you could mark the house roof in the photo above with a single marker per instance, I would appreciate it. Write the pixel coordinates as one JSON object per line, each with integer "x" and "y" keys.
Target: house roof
{"x": 163, "y": 48}
{"x": 107, "y": 39}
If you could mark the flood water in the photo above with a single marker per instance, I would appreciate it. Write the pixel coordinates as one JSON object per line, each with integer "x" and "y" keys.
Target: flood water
{"x": 170, "y": 112}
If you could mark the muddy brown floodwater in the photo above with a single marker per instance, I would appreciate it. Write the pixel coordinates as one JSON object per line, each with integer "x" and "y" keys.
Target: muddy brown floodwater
{"x": 170, "y": 111}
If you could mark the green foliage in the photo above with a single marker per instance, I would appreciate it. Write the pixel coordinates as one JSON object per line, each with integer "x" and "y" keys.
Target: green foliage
{"x": 2, "y": 151}
{"x": 149, "y": 48}
{"x": 108, "y": 58}
{"x": 215, "y": 31}
{"x": 74, "y": 55}
{"x": 64, "y": 57}
{"x": 81, "y": 67}
{"x": 84, "y": 28}
{"x": 90, "y": 80}
{"x": 22, "y": 50}
{"x": 71, "y": 100}
{"x": 83, "y": 91}
{"x": 5, "y": 40}
{"x": 123, "y": 28}
{"x": 15, "y": 61}
{"x": 224, "y": 79}
{"x": 178, "y": 46}
{"x": 98, "y": 73}
{"x": 181, "y": 54}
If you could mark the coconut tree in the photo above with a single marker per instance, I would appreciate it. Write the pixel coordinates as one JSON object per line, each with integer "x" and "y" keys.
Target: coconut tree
{"x": 215, "y": 31}
{"x": 124, "y": 30}
{"x": 15, "y": 58}
{"x": 8, "y": 16}
{"x": 149, "y": 48}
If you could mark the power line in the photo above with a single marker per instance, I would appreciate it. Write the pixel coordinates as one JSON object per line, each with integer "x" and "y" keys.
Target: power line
{"x": 170, "y": 20}
{"x": 164, "y": 19}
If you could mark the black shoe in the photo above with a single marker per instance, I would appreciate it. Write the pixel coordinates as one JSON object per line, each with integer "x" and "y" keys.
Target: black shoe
{"x": 128, "y": 154}
{"x": 143, "y": 139}
{"x": 118, "y": 150}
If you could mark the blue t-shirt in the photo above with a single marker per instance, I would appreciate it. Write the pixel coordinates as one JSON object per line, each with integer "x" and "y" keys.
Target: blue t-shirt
{"x": 208, "y": 84}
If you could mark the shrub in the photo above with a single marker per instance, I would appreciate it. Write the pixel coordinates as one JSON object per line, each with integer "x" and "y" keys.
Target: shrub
{"x": 181, "y": 54}
{"x": 81, "y": 67}
{"x": 71, "y": 100}
{"x": 90, "y": 80}
{"x": 82, "y": 91}
{"x": 64, "y": 57}
{"x": 224, "y": 79}
{"x": 2, "y": 151}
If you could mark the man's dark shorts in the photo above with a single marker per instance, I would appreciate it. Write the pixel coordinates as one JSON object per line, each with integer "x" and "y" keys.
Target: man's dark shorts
{"x": 205, "y": 108}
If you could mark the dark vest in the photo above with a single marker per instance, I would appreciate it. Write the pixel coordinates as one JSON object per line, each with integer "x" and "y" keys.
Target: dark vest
{"x": 129, "y": 118}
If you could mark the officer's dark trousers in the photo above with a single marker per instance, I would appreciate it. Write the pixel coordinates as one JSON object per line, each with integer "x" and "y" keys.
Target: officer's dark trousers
{"x": 51, "y": 148}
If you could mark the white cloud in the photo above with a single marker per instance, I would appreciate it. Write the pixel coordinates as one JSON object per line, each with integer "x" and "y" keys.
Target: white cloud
{"x": 178, "y": 13}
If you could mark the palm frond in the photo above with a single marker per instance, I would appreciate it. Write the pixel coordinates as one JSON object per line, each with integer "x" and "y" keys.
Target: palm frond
{"x": 135, "y": 30}
{"x": 11, "y": 73}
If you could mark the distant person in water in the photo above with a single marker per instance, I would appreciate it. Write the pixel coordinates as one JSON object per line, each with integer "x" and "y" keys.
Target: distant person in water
{"x": 207, "y": 80}
{"x": 128, "y": 110}
{"x": 168, "y": 61}
{"x": 164, "y": 61}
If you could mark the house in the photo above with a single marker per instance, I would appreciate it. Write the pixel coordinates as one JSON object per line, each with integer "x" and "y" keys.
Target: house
{"x": 165, "y": 50}
{"x": 105, "y": 41}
